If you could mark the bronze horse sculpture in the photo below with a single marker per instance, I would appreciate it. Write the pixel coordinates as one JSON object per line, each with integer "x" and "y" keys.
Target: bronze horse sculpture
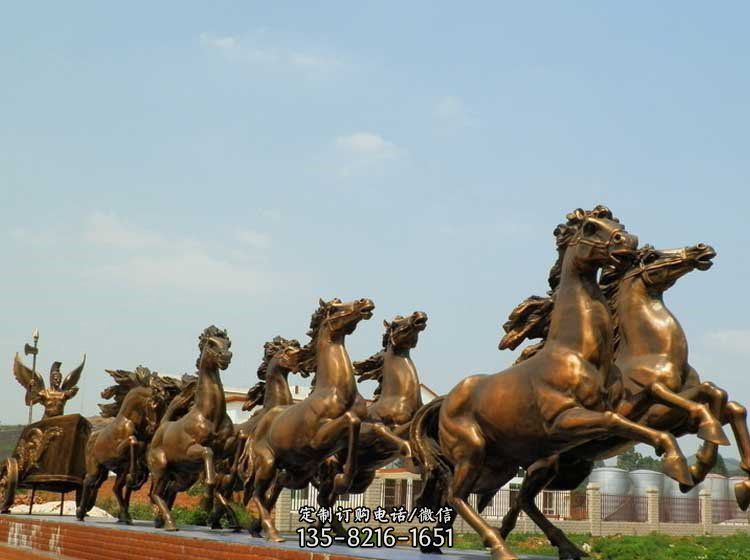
{"x": 280, "y": 357}
{"x": 141, "y": 398}
{"x": 385, "y": 431}
{"x": 661, "y": 389}
{"x": 475, "y": 438}
{"x": 290, "y": 442}
{"x": 183, "y": 448}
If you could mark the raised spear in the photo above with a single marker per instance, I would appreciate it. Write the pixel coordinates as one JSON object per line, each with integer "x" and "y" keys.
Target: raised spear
{"x": 33, "y": 350}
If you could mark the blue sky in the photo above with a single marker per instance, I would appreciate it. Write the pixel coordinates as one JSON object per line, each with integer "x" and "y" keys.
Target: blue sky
{"x": 168, "y": 166}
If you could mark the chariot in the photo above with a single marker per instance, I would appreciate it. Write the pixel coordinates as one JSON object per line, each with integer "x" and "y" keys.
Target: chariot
{"x": 49, "y": 456}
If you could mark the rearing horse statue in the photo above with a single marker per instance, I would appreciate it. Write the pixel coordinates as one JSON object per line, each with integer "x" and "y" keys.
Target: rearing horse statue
{"x": 385, "y": 431}
{"x": 290, "y": 442}
{"x": 661, "y": 389}
{"x": 141, "y": 397}
{"x": 182, "y": 448}
{"x": 475, "y": 438}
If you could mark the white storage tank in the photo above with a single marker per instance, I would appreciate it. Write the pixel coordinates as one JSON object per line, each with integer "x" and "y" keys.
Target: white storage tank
{"x": 611, "y": 480}
{"x": 718, "y": 485}
{"x": 677, "y": 507}
{"x": 643, "y": 479}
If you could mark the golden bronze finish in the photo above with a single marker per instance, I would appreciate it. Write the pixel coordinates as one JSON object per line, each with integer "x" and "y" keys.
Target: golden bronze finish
{"x": 49, "y": 455}
{"x": 475, "y": 438}
{"x": 291, "y": 442}
{"x": 60, "y": 392}
{"x": 141, "y": 399}
{"x": 183, "y": 448}
{"x": 384, "y": 434}
{"x": 659, "y": 387}
{"x": 280, "y": 357}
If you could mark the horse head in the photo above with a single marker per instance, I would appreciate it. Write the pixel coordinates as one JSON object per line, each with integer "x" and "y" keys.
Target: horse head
{"x": 332, "y": 321}
{"x": 402, "y": 333}
{"x": 214, "y": 345}
{"x": 282, "y": 353}
{"x": 659, "y": 269}
{"x": 596, "y": 239}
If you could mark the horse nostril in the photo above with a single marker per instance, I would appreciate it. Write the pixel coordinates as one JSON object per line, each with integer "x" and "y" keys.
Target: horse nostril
{"x": 700, "y": 246}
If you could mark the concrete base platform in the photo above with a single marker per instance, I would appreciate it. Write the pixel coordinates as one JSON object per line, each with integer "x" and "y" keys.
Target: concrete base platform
{"x": 105, "y": 539}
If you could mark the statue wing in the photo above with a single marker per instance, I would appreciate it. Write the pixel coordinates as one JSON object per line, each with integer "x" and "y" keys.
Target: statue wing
{"x": 72, "y": 378}
{"x": 30, "y": 380}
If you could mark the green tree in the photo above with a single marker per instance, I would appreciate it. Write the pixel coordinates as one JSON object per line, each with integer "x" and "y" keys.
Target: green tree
{"x": 631, "y": 460}
{"x": 720, "y": 467}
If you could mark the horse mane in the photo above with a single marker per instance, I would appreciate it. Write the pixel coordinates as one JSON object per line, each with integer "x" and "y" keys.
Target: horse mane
{"x": 310, "y": 365}
{"x": 209, "y": 332}
{"x": 183, "y": 400}
{"x": 270, "y": 349}
{"x": 125, "y": 381}
{"x": 369, "y": 369}
{"x": 531, "y": 318}
{"x": 255, "y": 396}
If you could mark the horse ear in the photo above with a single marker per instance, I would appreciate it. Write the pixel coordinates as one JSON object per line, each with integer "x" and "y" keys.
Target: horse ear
{"x": 386, "y": 324}
{"x": 321, "y": 302}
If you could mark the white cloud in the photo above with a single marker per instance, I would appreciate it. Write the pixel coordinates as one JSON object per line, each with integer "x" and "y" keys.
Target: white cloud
{"x": 364, "y": 151}
{"x": 730, "y": 340}
{"x": 257, "y": 239}
{"x": 146, "y": 258}
{"x": 453, "y": 111}
{"x": 367, "y": 143}
{"x": 254, "y": 49}
{"x": 107, "y": 230}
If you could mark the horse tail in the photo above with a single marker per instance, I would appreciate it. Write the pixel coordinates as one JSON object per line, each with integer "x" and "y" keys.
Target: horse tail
{"x": 423, "y": 435}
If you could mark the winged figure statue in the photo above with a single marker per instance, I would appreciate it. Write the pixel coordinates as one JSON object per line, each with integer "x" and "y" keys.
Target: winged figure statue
{"x": 53, "y": 399}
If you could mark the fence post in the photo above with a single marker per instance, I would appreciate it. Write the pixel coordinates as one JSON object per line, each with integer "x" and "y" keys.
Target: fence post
{"x": 374, "y": 494}
{"x": 707, "y": 511}
{"x": 594, "y": 508}
{"x": 652, "y": 504}
{"x": 283, "y": 510}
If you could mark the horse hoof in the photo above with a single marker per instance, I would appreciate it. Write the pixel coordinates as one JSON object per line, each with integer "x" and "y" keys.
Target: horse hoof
{"x": 171, "y": 527}
{"x": 712, "y": 432}
{"x": 430, "y": 549}
{"x": 676, "y": 468}
{"x": 742, "y": 493}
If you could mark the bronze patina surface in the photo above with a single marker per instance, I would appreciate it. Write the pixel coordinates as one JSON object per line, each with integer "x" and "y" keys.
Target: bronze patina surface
{"x": 184, "y": 447}
{"x": 141, "y": 399}
{"x": 291, "y": 442}
{"x": 659, "y": 387}
{"x": 53, "y": 399}
{"x": 384, "y": 434}
{"x": 475, "y": 438}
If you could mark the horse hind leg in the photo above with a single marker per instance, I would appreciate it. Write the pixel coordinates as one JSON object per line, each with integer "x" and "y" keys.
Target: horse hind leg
{"x": 538, "y": 475}
{"x": 736, "y": 415}
{"x": 465, "y": 475}
{"x": 708, "y": 424}
{"x": 123, "y": 516}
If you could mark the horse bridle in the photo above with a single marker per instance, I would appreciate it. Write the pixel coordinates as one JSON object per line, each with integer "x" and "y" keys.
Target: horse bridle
{"x": 645, "y": 269}
{"x": 578, "y": 238}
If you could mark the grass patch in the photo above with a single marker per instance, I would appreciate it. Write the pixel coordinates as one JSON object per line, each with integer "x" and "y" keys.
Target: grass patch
{"x": 618, "y": 547}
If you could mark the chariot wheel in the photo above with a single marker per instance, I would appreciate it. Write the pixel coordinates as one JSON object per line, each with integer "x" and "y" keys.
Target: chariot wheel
{"x": 8, "y": 483}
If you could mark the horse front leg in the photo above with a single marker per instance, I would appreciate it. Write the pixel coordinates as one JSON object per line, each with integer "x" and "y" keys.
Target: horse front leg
{"x": 736, "y": 415}
{"x": 579, "y": 425}
{"x": 387, "y": 434}
{"x": 329, "y": 434}
{"x": 197, "y": 452}
{"x": 538, "y": 475}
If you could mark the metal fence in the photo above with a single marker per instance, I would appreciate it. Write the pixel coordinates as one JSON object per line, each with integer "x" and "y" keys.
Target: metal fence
{"x": 726, "y": 510}
{"x": 624, "y": 508}
{"x": 679, "y": 510}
